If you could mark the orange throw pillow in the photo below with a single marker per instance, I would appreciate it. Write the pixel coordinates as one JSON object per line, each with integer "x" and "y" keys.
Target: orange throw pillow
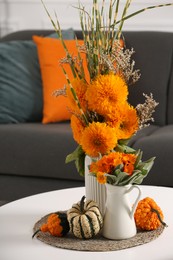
{"x": 50, "y": 51}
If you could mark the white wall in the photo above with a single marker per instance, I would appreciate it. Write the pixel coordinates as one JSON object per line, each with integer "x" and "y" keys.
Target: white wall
{"x": 30, "y": 14}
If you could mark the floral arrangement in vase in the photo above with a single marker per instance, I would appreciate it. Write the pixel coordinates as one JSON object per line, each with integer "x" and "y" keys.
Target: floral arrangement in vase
{"x": 103, "y": 120}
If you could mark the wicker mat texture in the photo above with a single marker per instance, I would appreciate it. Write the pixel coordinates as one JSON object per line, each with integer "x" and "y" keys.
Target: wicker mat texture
{"x": 97, "y": 243}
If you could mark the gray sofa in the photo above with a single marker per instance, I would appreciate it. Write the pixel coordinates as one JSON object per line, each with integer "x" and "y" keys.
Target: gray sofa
{"x": 32, "y": 155}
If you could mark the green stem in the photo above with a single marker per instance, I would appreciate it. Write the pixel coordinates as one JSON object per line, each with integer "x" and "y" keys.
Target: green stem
{"x": 59, "y": 33}
{"x": 35, "y": 233}
{"x": 82, "y": 204}
{"x": 115, "y": 19}
{"x": 159, "y": 217}
{"x": 142, "y": 10}
{"x": 118, "y": 34}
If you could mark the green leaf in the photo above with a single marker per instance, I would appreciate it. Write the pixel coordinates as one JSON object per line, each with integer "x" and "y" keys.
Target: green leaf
{"x": 129, "y": 178}
{"x": 147, "y": 165}
{"x": 118, "y": 167}
{"x": 74, "y": 155}
{"x": 111, "y": 179}
{"x": 79, "y": 157}
{"x": 124, "y": 149}
{"x": 80, "y": 164}
{"x": 138, "y": 179}
{"x": 122, "y": 176}
{"x": 118, "y": 177}
{"x": 139, "y": 157}
{"x": 123, "y": 141}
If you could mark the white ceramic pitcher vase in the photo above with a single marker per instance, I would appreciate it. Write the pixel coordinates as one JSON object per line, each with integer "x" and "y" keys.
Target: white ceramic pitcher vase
{"x": 119, "y": 220}
{"x": 94, "y": 190}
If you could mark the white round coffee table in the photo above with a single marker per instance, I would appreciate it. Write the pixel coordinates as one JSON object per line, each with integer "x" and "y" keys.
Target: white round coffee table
{"x": 18, "y": 218}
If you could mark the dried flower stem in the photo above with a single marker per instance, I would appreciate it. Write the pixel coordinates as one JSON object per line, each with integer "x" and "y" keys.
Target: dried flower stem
{"x": 146, "y": 110}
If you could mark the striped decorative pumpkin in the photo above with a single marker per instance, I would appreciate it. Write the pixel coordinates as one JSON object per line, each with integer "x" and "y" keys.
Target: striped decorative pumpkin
{"x": 85, "y": 219}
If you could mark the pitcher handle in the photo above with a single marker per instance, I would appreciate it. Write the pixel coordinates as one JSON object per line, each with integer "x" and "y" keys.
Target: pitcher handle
{"x": 137, "y": 199}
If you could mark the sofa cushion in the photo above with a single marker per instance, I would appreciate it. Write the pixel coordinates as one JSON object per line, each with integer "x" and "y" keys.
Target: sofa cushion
{"x": 50, "y": 52}
{"x": 20, "y": 81}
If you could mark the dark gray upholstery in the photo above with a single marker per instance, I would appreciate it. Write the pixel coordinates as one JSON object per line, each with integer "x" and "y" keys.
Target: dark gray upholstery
{"x": 158, "y": 142}
{"x": 27, "y": 35}
{"x": 13, "y": 187}
{"x": 33, "y": 159}
{"x": 32, "y": 155}
{"x": 153, "y": 56}
{"x": 35, "y": 149}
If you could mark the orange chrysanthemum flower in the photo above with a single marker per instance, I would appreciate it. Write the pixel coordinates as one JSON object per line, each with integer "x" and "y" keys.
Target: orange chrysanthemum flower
{"x": 128, "y": 168}
{"x": 98, "y": 138}
{"x": 129, "y": 161}
{"x": 77, "y": 128}
{"x": 101, "y": 178}
{"x": 93, "y": 167}
{"x": 129, "y": 157}
{"x": 108, "y": 162}
{"x": 80, "y": 87}
{"x": 113, "y": 118}
{"x": 111, "y": 91}
{"x": 128, "y": 123}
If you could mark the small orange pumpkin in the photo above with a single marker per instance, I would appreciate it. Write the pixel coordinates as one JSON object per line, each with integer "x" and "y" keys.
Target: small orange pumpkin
{"x": 57, "y": 225}
{"x": 148, "y": 215}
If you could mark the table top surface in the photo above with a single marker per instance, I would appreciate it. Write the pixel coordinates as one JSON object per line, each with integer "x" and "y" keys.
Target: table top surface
{"x": 18, "y": 218}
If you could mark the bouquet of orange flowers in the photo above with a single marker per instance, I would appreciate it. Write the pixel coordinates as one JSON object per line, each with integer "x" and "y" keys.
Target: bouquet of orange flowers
{"x": 102, "y": 119}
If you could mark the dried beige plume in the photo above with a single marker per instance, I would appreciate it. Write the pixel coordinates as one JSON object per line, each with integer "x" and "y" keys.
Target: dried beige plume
{"x": 146, "y": 110}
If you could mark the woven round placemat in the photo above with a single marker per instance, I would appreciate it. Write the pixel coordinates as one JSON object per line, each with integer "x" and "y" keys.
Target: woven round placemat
{"x": 98, "y": 243}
